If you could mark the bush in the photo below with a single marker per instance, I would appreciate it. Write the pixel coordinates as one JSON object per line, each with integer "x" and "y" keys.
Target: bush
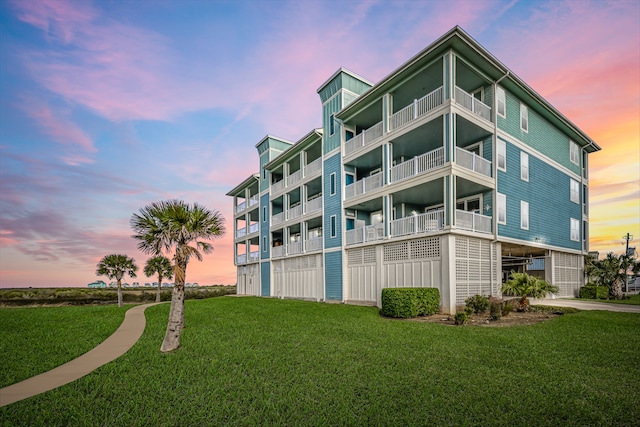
{"x": 478, "y": 303}
{"x": 410, "y": 302}
{"x": 507, "y": 307}
{"x": 594, "y": 292}
{"x": 460, "y": 318}
{"x": 495, "y": 309}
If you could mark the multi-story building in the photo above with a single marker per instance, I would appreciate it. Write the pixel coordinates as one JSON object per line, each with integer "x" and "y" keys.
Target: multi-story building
{"x": 451, "y": 172}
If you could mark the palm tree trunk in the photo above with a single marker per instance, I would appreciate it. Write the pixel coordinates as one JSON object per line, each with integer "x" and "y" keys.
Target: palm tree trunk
{"x": 119, "y": 294}
{"x": 176, "y": 314}
{"x": 159, "y": 289}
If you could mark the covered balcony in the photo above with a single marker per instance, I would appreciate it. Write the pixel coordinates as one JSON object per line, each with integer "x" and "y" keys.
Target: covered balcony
{"x": 248, "y": 251}
{"x": 364, "y": 174}
{"x": 313, "y": 238}
{"x": 473, "y": 207}
{"x": 417, "y": 152}
{"x": 472, "y": 92}
{"x": 418, "y": 210}
{"x": 365, "y": 223}
{"x": 247, "y": 225}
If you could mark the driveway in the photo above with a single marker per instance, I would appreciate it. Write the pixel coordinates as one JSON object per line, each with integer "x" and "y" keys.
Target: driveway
{"x": 587, "y": 305}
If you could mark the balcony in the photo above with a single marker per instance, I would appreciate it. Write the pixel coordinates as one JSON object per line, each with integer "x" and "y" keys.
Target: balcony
{"x": 473, "y": 221}
{"x": 313, "y": 205}
{"x": 419, "y": 108}
{"x": 278, "y": 218}
{"x": 416, "y": 224}
{"x": 277, "y": 186}
{"x": 418, "y": 165}
{"x": 241, "y": 233}
{"x": 313, "y": 167}
{"x": 294, "y": 248}
{"x": 253, "y": 257}
{"x": 278, "y": 251}
{"x": 363, "y": 139}
{"x": 254, "y": 200}
{"x": 369, "y": 233}
{"x": 471, "y": 103}
{"x": 363, "y": 186}
{"x": 294, "y": 212}
{"x": 472, "y": 161}
{"x": 240, "y": 207}
{"x": 314, "y": 244}
{"x": 294, "y": 178}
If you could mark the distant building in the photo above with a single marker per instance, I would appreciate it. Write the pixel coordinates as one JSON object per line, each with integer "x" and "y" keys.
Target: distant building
{"x": 451, "y": 172}
{"x": 97, "y": 284}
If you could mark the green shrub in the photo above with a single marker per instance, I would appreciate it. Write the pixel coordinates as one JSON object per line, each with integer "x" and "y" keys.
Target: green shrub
{"x": 495, "y": 309}
{"x": 460, "y": 318}
{"x": 507, "y": 307}
{"x": 594, "y": 292}
{"x": 468, "y": 310}
{"x": 479, "y": 303}
{"x": 410, "y": 302}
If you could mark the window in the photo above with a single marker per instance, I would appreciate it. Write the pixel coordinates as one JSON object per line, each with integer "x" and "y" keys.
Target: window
{"x": 502, "y": 208}
{"x": 502, "y": 102}
{"x": 575, "y": 230}
{"x": 332, "y": 126}
{"x": 264, "y": 174}
{"x": 502, "y": 155}
{"x": 575, "y": 191}
{"x": 332, "y": 184}
{"x": 264, "y": 243}
{"x": 333, "y": 226}
{"x": 574, "y": 152}
{"x": 524, "y": 118}
{"x": 264, "y": 214}
{"x": 524, "y": 166}
{"x": 524, "y": 215}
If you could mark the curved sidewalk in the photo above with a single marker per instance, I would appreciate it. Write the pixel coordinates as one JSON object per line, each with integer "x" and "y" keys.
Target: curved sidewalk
{"x": 110, "y": 349}
{"x": 587, "y": 305}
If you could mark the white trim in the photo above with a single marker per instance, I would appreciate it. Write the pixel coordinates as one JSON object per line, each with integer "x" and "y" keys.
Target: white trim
{"x": 501, "y": 144}
{"x": 503, "y": 98}
{"x": 333, "y": 228}
{"x": 499, "y": 197}
{"x": 503, "y": 239}
{"x": 333, "y": 183}
{"x": 524, "y": 114}
{"x": 575, "y": 199}
{"x": 571, "y": 230}
{"x": 573, "y": 150}
{"x": 524, "y": 218}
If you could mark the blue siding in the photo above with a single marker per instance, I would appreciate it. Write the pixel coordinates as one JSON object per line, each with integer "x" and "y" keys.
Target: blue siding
{"x": 548, "y": 194}
{"x": 333, "y": 275}
{"x": 332, "y": 203}
{"x": 264, "y": 227}
{"x": 265, "y": 279}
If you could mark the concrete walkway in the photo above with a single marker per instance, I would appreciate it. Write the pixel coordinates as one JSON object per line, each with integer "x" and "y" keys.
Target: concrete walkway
{"x": 587, "y": 305}
{"x": 110, "y": 349}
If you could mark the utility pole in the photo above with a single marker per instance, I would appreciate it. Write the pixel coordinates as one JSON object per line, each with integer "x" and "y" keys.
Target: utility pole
{"x": 627, "y": 237}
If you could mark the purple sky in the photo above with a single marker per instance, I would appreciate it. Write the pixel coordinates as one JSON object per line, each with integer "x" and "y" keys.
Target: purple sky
{"x": 109, "y": 106}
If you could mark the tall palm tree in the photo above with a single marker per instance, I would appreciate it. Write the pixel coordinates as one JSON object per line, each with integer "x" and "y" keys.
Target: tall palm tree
{"x": 161, "y": 266}
{"x": 174, "y": 225}
{"x": 115, "y": 266}
{"x": 523, "y": 285}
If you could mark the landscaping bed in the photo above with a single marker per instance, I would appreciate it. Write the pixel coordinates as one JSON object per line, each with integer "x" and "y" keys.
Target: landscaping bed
{"x": 537, "y": 314}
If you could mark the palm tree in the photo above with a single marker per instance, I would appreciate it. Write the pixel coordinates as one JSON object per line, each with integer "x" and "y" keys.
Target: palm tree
{"x": 115, "y": 266}
{"x": 523, "y": 285}
{"x": 612, "y": 272}
{"x": 161, "y": 266}
{"x": 174, "y": 225}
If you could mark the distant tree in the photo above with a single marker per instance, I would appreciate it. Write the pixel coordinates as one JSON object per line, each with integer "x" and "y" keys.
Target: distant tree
{"x": 115, "y": 266}
{"x": 612, "y": 271}
{"x": 174, "y": 225}
{"x": 161, "y": 266}
{"x": 524, "y": 285}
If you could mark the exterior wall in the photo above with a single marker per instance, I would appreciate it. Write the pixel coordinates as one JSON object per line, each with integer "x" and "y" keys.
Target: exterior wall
{"x": 265, "y": 250}
{"x": 332, "y": 203}
{"x": 299, "y": 277}
{"x": 476, "y": 268}
{"x": 249, "y": 280}
{"x": 333, "y": 275}
{"x": 548, "y": 195}
{"x": 265, "y": 279}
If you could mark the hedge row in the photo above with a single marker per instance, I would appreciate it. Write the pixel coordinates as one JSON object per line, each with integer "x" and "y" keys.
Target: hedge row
{"x": 594, "y": 292}
{"x": 410, "y": 302}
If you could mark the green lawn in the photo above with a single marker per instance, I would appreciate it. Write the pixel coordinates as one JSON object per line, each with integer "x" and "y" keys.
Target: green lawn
{"x": 632, "y": 300}
{"x": 252, "y": 361}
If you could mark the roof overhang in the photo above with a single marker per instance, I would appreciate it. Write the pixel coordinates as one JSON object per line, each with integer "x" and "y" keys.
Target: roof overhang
{"x": 238, "y": 189}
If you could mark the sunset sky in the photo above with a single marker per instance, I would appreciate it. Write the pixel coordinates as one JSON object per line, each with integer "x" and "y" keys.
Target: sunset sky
{"x": 109, "y": 106}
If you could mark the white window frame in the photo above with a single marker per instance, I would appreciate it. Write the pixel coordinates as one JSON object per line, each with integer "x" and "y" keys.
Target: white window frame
{"x": 575, "y": 230}
{"x": 524, "y": 166}
{"x": 524, "y": 118}
{"x": 332, "y": 125}
{"x": 502, "y": 208}
{"x": 524, "y": 215}
{"x": 574, "y": 153}
{"x": 501, "y": 101}
{"x": 264, "y": 244}
{"x": 264, "y": 214}
{"x": 468, "y": 199}
{"x": 501, "y": 152}
{"x": 333, "y": 226}
{"x": 574, "y": 188}
{"x": 332, "y": 184}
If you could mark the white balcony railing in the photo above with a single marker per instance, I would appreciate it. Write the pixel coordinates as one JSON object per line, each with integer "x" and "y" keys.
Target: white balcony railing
{"x": 472, "y": 161}
{"x": 362, "y": 186}
{"x": 472, "y": 104}
{"x": 278, "y": 251}
{"x": 314, "y": 244}
{"x": 294, "y": 248}
{"x": 419, "y": 164}
{"x": 294, "y": 212}
{"x": 241, "y": 206}
{"x": 241, "y": 232}
{"x": 313, "y": 205}
{"x": 277, "y": 186}
{"x": 254, "y": 200}
{"x": 419, "y": 108}
{"x": 277, "y": 218}
{"x": 294, "y": 178}
{"x": 415, "y": 224}
{"x": 362, "y": 139}
{"x": 254, "y": 228}
{"x": 241, "y": 259}
{"x": 370, "y": 233}
{"x": 254, "y": 256}
{"x": 473, "y": 221}
{"x": 313, "y": 167}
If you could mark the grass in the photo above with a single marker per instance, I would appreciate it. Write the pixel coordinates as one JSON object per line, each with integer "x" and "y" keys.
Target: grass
{"x": 630, "y": 300}
{"x": 252, "y": 361}
{"x": 35, "y": 340}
